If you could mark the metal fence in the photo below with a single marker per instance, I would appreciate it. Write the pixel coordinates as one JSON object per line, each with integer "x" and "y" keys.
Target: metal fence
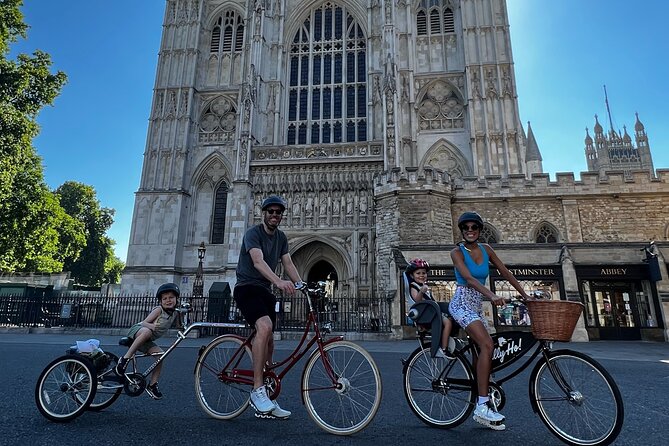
{"x": 78, "y": 310}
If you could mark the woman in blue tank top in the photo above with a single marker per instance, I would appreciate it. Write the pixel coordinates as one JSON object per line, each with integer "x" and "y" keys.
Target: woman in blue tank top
{"x": 471, "y": 260}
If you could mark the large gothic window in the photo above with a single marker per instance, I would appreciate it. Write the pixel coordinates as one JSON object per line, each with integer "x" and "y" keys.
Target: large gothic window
{"x": 546, "y": 233}
{"x": 220, "y": 206}
{"x": 327, "y": 95}
{"x": 434, "y": 18}
{"x": 223, "y": 66}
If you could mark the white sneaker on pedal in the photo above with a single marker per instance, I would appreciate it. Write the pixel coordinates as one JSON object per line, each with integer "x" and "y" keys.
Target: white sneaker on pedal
{"x": 486, "y": 415}
{"x": 260, "y": 401}
{"x": 278, "y": 412}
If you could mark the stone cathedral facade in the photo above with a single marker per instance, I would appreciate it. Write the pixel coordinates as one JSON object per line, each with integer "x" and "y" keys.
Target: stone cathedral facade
{"x": 378, "y": 121}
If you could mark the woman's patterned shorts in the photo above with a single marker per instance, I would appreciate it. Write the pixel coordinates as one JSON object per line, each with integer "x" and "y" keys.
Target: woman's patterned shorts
{"x": 466, "y": 306}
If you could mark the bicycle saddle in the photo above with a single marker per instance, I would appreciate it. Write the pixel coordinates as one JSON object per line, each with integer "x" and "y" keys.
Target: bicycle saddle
{"x": 125, "y": 341}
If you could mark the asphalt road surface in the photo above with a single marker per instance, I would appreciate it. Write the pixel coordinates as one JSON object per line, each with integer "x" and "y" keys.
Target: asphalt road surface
{"x": 637, "y": 367}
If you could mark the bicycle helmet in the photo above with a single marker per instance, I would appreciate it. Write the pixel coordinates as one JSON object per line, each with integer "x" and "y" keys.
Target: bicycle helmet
{"x": 417, "y": 264}
{"x": 273, "y": 199}
{"x": 473, "y": 217}
{"x": 167, "y": 287}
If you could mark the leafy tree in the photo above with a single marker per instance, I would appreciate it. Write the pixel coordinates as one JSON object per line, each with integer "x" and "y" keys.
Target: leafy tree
{"x": 96, "y": 263}
{"x": 30, "y": 217}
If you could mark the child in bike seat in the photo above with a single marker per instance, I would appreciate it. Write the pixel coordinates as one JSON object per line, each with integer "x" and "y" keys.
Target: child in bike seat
{"x": 416, "y": 274}
{"x": 146, "y": 332}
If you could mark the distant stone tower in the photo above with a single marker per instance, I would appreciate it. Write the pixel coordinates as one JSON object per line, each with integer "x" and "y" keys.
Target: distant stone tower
{"x": 613, "y": 151}
{"x": 312, "y": 100}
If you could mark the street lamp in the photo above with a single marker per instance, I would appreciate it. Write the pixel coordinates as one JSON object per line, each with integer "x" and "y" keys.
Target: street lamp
{"x": 198, "y": 285}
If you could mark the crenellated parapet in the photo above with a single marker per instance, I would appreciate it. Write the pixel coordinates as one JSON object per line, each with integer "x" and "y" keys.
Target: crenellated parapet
{"x": 412, "y": 178}
{"x": 565, "y": 184}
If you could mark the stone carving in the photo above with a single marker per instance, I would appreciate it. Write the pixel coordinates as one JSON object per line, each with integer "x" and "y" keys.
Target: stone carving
{"x": 363, "y": 249}
{"x": 507, "y": 89}
{"x": 389, "y": 75}
{"x": 349, "y": 203}
{"x": 476, "y": 85}
{"x": 491, "y": 88}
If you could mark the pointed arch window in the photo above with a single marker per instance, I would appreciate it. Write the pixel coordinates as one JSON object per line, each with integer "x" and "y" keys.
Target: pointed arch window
{"x": 441, "y": 18}
{"x": 220, "y": 208}
{"x": 327, "y": 94}
{"x": 546, "y": 233}
{"x": 488, "y": 234}
{"x": 227, "y": 37}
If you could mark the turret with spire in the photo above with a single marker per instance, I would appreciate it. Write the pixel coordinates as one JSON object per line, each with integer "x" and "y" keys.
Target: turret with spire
{"x": 615, "y": 150}
{"x": 533, "y": 157}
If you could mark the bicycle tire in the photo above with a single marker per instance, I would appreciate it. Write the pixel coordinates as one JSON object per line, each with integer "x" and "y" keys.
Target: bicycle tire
{"x": 106, "y": 393}
{"x": 65, "y": 388}
{"x": 444, "y": 402}
{"x": 351, "y": 406}
{"x": 220, "y": 399}
{"x": 593, "y": 413}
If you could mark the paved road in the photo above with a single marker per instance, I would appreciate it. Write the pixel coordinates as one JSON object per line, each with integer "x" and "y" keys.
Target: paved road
{"x": 177, "y": 419}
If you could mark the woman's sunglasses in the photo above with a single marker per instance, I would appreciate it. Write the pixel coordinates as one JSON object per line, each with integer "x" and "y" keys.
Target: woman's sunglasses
{"x": 473, "y": 227}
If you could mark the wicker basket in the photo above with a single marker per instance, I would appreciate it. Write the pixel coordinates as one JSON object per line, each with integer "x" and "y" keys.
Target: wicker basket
{"x": 553, "y": 320}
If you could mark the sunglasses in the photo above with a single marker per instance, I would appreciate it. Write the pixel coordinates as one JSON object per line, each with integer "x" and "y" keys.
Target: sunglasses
{"x": 473, "y": 227}
{"x": 274, "y": 211}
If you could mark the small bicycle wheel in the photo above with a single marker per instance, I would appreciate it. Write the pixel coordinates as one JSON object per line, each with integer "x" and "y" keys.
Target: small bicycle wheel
{"x": 220, "y": 397}
{"x": 107, "y": 391}
{"x": 65, "y": 388}
{"x": 585, "y": 408}
{"x": 350, "y": 402}
{"x": 439, "y": 390}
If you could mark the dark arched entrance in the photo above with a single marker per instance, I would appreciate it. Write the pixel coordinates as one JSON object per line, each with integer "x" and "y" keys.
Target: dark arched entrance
{"x": 320, "y": 272}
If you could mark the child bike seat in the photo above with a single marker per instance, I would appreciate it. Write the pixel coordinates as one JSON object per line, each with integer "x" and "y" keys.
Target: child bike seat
{"x": 428, "y": 312}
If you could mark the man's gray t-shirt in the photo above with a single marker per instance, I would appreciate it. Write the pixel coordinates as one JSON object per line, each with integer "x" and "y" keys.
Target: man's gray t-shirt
{"x": 272, "y": 247}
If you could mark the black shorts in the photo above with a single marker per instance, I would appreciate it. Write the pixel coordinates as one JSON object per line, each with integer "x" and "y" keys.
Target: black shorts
{"x": 254, "y": 302}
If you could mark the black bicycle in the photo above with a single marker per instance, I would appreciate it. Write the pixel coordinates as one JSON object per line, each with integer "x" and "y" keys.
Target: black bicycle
{"x": 574, "y": 395}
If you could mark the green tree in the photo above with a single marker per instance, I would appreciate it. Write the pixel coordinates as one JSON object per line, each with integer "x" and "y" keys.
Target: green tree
{"x": 30, "y": 217}
{"x": 96, "y": 263}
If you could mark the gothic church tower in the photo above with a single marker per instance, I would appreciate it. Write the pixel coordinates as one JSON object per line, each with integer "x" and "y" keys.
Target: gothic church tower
{"x": 311, "y": 100}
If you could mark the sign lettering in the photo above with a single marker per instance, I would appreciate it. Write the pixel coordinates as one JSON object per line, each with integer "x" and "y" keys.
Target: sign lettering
{"x": 613, "y": 271}
{"x": 506, "y": 347}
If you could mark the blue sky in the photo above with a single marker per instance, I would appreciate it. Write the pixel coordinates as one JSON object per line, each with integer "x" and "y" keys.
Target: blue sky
{"x": 564, "y": 51}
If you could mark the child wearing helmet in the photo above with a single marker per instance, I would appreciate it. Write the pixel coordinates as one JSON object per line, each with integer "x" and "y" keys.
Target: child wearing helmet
{"x": 416, "y": 273}
{"x": 144, "y": 333}
{"x": 471, "y": 260}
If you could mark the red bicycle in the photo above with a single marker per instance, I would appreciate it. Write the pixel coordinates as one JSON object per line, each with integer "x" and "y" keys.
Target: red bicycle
{"x": 341, "y": 384}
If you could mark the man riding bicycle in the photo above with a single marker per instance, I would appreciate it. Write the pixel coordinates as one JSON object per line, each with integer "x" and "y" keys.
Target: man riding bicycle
{"x": 264, "y": 245}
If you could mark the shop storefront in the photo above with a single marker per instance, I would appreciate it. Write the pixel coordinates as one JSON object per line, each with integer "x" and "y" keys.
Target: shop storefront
{"x": 514, "y": 315}
{"x": 620, "y": 302}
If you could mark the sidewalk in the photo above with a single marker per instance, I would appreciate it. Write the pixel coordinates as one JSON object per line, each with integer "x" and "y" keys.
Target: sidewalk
{"x": 607, "y": 350}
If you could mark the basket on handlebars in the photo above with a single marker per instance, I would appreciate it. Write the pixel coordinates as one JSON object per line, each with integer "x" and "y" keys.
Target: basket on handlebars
{"x": 553, "y": 320}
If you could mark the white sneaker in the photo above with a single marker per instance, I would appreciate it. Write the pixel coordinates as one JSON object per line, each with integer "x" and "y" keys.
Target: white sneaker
{"x": 260, "y": 401}
{"x": 278, "y": 412}
{"x": 486, "y": 415}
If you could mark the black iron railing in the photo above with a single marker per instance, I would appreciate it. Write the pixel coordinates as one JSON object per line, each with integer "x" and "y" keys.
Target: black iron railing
{"x": 77, "y": 310}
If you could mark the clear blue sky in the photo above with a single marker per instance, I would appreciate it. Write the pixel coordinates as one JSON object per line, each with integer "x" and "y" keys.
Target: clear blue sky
{"x": 564, "y": 51}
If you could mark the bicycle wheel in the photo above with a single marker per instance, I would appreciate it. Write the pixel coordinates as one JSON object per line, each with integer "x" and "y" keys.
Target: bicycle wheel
{"x": 439, "y": 390}
{"x": 218, "y": 397}
{"x": 348, "y": 405}
{"x": 65, "y": 388}
{"x": 107, "y": 391}
{"x": 589, "y": 412}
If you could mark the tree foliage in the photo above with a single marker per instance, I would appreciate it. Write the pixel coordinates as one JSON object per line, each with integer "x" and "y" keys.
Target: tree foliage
{"x": 42, "y": 231}
{"x": 30, "y": 217}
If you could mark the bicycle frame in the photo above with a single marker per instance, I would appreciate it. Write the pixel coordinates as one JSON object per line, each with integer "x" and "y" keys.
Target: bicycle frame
{"x": 231, "y": 374}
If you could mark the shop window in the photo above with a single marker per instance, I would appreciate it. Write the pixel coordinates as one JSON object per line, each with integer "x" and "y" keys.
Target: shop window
{"x": 515, "y": 313}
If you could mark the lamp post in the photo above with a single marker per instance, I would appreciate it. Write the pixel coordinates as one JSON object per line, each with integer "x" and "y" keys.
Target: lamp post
{"x": 198, "y": 285}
